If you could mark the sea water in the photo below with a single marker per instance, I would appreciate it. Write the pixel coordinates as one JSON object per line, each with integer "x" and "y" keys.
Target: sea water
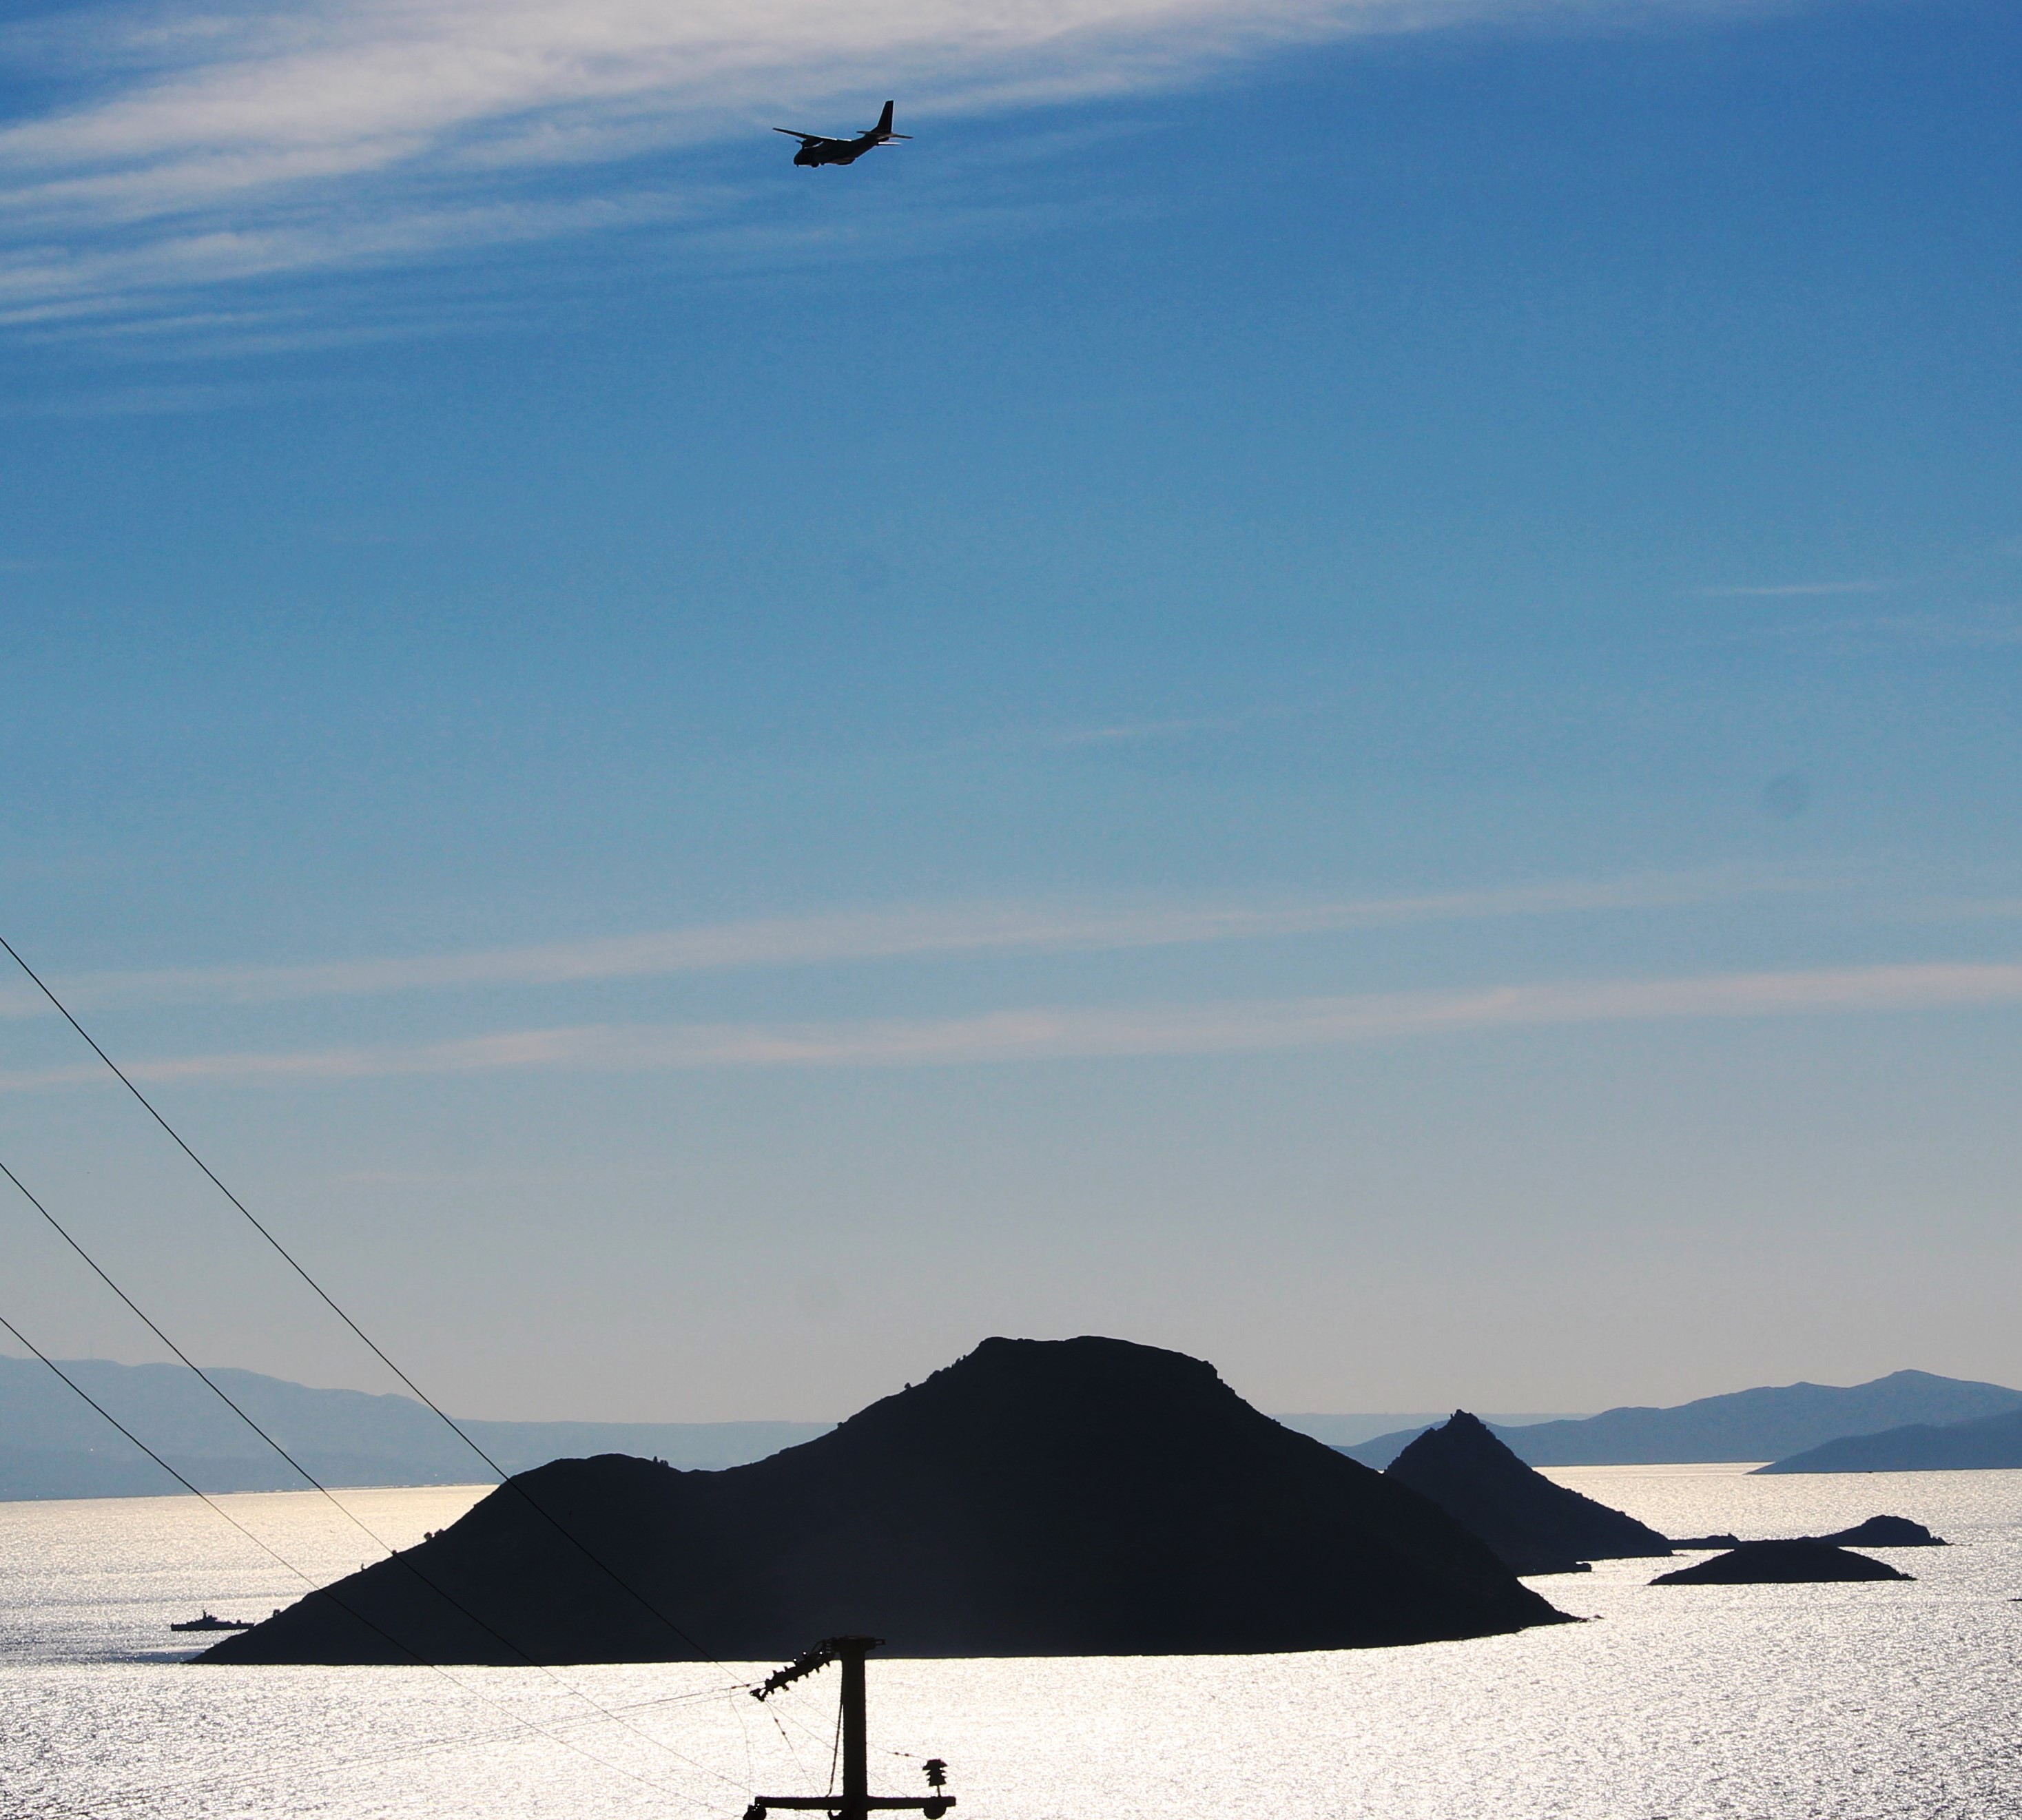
{"x": 1766, "y": 1702}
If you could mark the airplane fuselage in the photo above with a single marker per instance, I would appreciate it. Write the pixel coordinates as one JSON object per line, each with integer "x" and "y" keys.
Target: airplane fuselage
{"x": 837, "y": 151}
{"x": 817, "y": 148}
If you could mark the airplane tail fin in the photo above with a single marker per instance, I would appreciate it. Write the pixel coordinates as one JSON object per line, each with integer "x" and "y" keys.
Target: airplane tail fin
{"x": 884, "y": 120}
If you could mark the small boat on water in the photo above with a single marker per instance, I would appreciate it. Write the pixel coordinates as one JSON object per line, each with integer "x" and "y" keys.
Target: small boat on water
{"x": 207, "y": 1622}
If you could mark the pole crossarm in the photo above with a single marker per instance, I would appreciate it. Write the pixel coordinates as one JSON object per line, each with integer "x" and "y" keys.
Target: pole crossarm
{"x": 835, "y": 1803}
{"x": 855, "y": 1802}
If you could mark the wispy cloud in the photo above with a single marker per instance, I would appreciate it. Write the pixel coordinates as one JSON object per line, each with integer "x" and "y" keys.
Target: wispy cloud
{"x": 1986, "y": 629}
{"x": 225, "y": 143}
{"x": 1793, "y": 590}
{"x": 169, "y": 400}
{"x": 1995, "y": 629}
{"x": 872, "y": 936}
{"x": 1972, "y": 909}
{"x": 1062, "y": 1033}
{"x": 1135, "y": 732}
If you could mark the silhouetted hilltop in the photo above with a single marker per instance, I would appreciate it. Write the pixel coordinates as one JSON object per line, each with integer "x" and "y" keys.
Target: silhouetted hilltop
{"x": 1993, "y": 1441}
{"x": 53, "y": 1445}
{"x": 1748, "y": 1424}
{"x": 1079, "y": 1497}
{"x": 1350, "y": 1431}
{"x": 1778, "y": 1563}
{"x": 1535, "y": 1525}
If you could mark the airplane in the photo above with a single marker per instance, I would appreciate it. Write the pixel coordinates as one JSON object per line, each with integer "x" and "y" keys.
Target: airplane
{"x": 817, "y": 150}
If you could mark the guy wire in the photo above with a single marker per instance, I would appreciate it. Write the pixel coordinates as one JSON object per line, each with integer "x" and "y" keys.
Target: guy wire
{"x": 419, "y": 1659}
{"x": 439, "y": 1746}
{"x": 336, "y": 1503}
{"x": 505, "y": 1479}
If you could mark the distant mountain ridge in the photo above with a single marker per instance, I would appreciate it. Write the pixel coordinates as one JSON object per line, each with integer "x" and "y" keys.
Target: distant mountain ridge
{"x": 1992, "y": 1441}
{"x": 1770, "y": 1423}
{"x": 53, "y": 1446}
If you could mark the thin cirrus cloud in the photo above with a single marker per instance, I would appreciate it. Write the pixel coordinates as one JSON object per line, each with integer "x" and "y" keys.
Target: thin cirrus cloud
{"x": 1989, "y": 629}
{"x": 1135, "y": 732}
{"x": 221, "y": 143}
{"x": 882, "y": 935}
{"x": 1794, "y": 590}
{"x": 1042, "y": 1033}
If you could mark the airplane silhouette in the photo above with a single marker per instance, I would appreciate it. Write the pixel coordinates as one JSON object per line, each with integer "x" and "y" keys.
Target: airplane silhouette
{"x": 815, "y": 149}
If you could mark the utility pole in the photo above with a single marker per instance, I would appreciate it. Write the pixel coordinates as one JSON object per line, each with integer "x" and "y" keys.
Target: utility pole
{"x": 850, "y": 1652}
{"x": 856, "y": 1802}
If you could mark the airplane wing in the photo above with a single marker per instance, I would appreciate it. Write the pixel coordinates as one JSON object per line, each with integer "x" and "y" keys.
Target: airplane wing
{"x": 807, "y": 138}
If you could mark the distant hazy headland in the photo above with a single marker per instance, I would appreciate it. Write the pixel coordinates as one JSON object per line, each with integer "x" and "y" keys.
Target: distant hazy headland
{"x": 51, "y": 1446}
{"x": 1769, "y": 1423}
{"x": 1991, "y": 1441}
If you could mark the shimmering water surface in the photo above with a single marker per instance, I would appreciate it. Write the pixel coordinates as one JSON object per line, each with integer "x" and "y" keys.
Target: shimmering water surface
{"x": 1779, "y": 1702}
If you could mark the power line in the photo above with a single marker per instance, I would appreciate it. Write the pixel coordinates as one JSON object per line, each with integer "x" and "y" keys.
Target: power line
{"x": 505, "y": 1479}
{"x": 336, "y": 1503}
{"x": 406, "y": 1753}
{"x": 414, "y": 1654}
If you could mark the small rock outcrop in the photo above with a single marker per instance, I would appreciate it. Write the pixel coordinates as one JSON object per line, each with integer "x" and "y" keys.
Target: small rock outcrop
{"x": 1535, "y": 1525}
{"x": 1066, "y": 1498}
{"x": 1878, "y": 1532}
{"x": 1883, "y": 1532}
{"x": 1780, "y": 1563}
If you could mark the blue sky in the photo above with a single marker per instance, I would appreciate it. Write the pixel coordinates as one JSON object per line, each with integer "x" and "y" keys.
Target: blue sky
{"x": 1331, "y": 684}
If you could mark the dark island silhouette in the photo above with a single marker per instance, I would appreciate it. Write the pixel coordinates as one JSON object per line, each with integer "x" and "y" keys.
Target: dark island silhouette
{"x": 1883, "y": 1532}
{"x": 1066, "y": 1498}
{"x": 1877, "y": 1532}
{"x": 1776, "y": 1564}
{"x": 1535, "y": 1525}
{"x": 1990, "y": 1441}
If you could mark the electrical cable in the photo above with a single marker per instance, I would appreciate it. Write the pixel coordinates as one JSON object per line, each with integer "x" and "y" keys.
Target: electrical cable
{"x": 507, "y": 1482}
{"x": 794, "y": 1755}
{"x": 336, "y": 1503}
{"x": 505, "y": 1479}
{"x": 910, "y": 1756}
{"x": 419, "y": 1659}
{"x": 408, "y": 1754}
